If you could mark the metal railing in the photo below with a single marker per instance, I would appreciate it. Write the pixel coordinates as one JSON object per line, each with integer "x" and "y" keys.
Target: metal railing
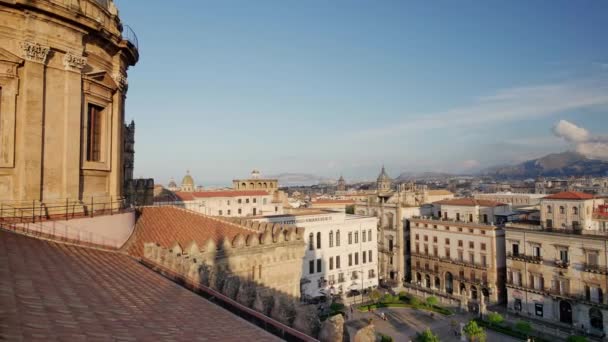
{"x": 129, "y": 35}
{"x": 451, "y": 261}
{"x": 525, "y": 258}
{"x": 594, "y": 268}
{"x": 36, "y": 211}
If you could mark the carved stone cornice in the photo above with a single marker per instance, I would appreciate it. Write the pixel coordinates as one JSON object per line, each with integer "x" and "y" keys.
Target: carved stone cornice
{"x": 35, "y": 52}
{"x": 74, "y": 62}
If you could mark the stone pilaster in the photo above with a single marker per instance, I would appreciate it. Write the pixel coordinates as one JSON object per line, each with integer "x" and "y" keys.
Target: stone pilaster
{"x": 31, "y": 110}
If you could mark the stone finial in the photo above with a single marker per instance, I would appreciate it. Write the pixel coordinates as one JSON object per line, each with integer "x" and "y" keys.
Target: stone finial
{"x": 192, "y": 248}
{"x": 266, "y": 238}
{"x": 238, "y": 241}
{"x": 35, "y": 52}
{"x": 253, "y": 239}
{"x": 279, "y": 237}
{"x": 226, "y": 244}
{"x": 176, "y": 248}
{"x": 74, "y": 62}
{"x": 210, "y": 246}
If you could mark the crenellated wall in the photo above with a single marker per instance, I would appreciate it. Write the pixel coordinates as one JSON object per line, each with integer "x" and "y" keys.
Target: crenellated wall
{"x": 260, "y": 270}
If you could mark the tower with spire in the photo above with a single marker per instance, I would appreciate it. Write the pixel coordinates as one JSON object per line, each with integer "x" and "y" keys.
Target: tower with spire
{"x": 341, "y": 184}
{"x": 384, "y": 182}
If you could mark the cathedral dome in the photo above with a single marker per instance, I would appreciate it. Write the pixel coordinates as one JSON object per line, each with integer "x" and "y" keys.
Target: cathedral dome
{"x": 188, "y": 180}
{"x": 383, "y": 177}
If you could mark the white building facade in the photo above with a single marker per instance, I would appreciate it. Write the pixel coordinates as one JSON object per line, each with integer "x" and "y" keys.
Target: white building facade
{"x": 230, "y": 203}
{"x": 341, "y": 251}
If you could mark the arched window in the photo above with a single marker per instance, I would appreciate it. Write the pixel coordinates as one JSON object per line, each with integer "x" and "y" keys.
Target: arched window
{"x": 338, "y": 238}
{"x": 319, "y": 240}
{"x": 331, "y": 238}
{"x": 562, "y": 210}
{"x": 574, "y": 211}
{"x": 549, "y": 209}
{"x": 596, "y": 319}
{"x": 311, "y": 238}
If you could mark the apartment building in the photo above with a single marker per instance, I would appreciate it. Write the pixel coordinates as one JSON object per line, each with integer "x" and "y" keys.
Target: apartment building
{"x": 557, "y": 271}
{"x": 341, "y": 250}
{"x": 457, "y": 252}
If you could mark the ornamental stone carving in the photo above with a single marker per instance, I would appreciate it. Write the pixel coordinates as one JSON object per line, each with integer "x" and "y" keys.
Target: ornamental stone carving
{"x": 121, "y": 80}
{"x": 35, "y": 52}
{"x": 73, "y": 62}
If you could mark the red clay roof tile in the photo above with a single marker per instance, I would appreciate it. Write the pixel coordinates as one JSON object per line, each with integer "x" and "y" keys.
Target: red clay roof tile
{"x": 168, "y": 225}
{"x": 570, "y": 195}
{"x": 52, "y": 291}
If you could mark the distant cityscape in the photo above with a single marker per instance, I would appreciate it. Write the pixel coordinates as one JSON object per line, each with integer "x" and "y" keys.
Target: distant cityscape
{"x": 88, "y": 252}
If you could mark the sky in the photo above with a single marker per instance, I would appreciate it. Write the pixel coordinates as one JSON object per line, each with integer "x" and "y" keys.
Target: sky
{"x": 343, "y": 87}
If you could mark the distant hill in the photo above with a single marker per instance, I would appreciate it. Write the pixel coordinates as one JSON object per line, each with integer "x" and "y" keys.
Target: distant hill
{"x": 409, "y": 176}
{"x": 553, "y": 165}
{"x": 292, "y": 179}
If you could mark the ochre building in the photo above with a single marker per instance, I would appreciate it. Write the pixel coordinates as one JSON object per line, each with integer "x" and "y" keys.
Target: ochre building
{"x": 63, "y": 83}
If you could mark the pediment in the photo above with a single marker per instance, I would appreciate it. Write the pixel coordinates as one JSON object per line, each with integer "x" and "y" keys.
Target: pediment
{"x": 6, "y": 56}
{"x": 103, "y": 78}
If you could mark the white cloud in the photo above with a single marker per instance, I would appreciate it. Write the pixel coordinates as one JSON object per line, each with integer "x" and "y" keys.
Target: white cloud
{"x": 593, "y": 147}
{"x": 570, "y": 132}
{"x": 513, "y": 104}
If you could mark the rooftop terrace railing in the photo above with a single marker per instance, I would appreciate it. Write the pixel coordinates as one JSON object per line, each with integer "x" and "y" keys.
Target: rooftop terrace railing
{"x": 60, "y": 209}
{"x": 129, "y": 35}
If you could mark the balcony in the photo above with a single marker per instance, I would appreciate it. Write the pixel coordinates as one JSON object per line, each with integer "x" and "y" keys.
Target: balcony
{"x": 449, "y": 260}
{"x": 449, "y": 221}
{"x": 541, "y": 291}
{"x": 593, "y": 268}
{"x": 561, "y": 264}
{"x": 525, "y": 258}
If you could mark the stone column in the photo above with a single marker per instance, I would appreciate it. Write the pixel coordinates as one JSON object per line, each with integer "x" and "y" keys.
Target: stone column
{"x": 30, "y": 121}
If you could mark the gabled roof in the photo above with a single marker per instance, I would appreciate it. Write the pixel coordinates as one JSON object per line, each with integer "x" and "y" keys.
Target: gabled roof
{"x": 570, "y": 195}
{"x": 168, "y": 225}
{"x": 65, "y": 292}
{"x": 470, "y": 202}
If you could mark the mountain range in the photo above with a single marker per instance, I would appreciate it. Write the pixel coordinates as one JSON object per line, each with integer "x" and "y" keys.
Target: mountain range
{"x": 563, "y": 164}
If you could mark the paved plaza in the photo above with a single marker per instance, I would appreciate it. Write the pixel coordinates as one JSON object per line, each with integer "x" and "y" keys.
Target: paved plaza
{"x": 402, "y": 324}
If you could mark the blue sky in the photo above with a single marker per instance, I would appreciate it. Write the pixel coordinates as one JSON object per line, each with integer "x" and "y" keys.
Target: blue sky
{"x": 331, "y": 87}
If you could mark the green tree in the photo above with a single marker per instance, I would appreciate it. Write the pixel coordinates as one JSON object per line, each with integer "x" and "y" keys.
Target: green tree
{"x": 375, "y": 296}
{"x": 432, "y": 301}
{"x": 414, "y": 301}
{"x": 575, "y": 338}
{"x": 495, "y": 318}
{"x": 474, "y": 332}
{"x": 350, "y": 209}
{"x": 523, "y": 327}
{"x": 427, "y": 336}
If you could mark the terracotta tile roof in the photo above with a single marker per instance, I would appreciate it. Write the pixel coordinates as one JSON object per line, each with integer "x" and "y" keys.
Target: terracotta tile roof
{"x": 51, "y": 291}
{"x": 570, "y": 195}
{"x": 168, "y": 225}
{"x": 189, "y": 196}
{"x": 470, "y": 202}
